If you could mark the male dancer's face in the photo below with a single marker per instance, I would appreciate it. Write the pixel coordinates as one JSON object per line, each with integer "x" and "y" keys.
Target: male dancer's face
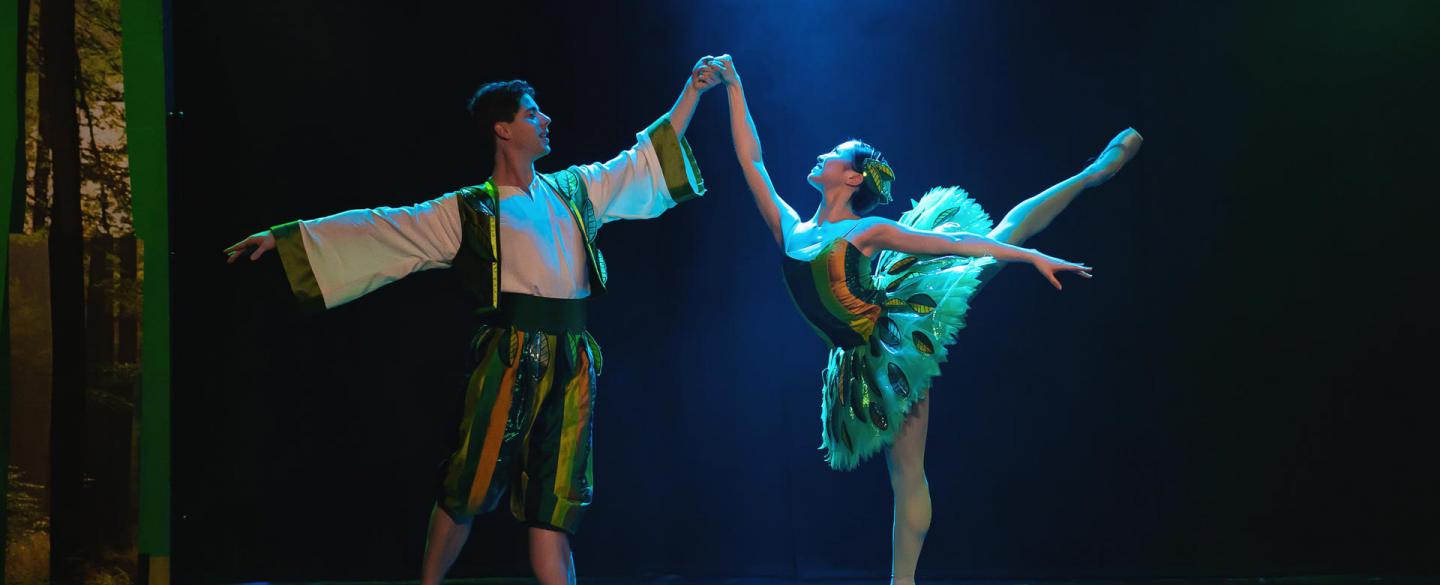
{"x": 528, "y": 135}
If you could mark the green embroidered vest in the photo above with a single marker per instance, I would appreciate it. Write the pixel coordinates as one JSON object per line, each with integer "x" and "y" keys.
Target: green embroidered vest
{"x": 478, "y": 260}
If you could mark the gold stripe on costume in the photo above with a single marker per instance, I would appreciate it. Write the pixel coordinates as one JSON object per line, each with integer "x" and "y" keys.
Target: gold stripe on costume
{"x": 677, "y": 162}
{"x": 577, "y": 411}
{"x": 290, "y": 246}
{"x": 494, "y": 266}
{"x": 494, "y": 244}
{"x": 452, "y": 485}
{"x": 855, "y": 312}
{"x": 494, "y": 434}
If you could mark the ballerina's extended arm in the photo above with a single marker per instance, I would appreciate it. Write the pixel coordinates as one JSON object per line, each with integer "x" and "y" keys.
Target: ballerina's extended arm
{"x": 778, "y": 215}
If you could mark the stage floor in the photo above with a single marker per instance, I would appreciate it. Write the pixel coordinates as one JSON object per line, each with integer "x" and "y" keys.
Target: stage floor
{"x": 673, "y": 580}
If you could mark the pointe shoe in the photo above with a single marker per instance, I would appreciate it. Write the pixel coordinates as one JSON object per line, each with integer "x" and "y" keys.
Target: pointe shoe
{"x": 1121, "y": 149}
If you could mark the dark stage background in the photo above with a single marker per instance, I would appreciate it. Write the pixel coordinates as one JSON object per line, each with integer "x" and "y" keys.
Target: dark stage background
{"x": 1237, "y": 392}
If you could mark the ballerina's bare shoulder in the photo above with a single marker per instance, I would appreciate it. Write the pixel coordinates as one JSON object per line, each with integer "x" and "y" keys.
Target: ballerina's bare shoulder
{"x": 809, "y": 238}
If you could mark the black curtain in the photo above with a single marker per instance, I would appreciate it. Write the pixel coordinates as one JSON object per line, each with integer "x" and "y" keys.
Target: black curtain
{"x": 1235, "y": 393}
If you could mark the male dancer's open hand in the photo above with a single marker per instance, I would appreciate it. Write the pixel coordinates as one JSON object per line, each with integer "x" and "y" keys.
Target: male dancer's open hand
{"x": 263, "y": 242}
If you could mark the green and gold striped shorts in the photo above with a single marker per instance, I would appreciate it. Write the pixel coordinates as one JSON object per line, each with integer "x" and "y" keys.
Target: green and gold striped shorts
{"x": 526, "y": 426}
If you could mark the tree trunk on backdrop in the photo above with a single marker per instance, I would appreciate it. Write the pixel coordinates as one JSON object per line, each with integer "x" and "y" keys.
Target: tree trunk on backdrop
{"x": 99, "y": 309}
{"x": 17, "y": 186}
{"x": 71, "y": 538}
{"x": 97, "y": 160}
{"x": 41, "y": 211}
{"x": 127, "y": 356}
{"x": 128, "y": 350}
{"x": 107, "y": 413}
{"x": 111, "y": 400}
{"x": 109, "y": 409}
{"x": 17, "y": 225}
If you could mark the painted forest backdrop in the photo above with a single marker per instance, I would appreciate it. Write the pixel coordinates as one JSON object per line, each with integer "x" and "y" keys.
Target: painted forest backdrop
{"x": 74, "y": 282}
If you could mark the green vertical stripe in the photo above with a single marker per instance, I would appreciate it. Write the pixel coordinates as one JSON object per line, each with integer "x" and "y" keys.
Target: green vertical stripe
{"x": 572, "y": 420}
{"x": 12, "y": 112}
{"x": 12, "y": 104}
{"x": 583, "y": 401}
{"x": 490, "y": 376}
{"x": 143, "y": 56}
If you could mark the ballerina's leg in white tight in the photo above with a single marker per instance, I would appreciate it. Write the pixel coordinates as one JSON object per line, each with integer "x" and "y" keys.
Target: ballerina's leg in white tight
{"x": 906, "y": 456}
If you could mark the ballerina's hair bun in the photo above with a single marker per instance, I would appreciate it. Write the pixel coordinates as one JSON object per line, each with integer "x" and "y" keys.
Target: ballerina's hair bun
{"x": 876, "y": 174}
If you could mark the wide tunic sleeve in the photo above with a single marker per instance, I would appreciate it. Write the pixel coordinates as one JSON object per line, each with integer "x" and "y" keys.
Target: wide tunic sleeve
{"x": 334, "y": 260}
{"x": 642, "y": 182}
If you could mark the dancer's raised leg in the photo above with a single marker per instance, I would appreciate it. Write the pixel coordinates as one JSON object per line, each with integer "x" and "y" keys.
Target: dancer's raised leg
{"x": 1033, "y": 215}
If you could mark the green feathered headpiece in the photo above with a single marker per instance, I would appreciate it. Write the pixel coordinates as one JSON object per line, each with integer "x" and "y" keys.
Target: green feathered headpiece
{"x": 878, "y": 174}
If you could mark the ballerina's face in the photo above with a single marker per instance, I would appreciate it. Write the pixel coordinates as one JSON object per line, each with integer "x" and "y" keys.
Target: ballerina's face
{"x": 835, "y": 167}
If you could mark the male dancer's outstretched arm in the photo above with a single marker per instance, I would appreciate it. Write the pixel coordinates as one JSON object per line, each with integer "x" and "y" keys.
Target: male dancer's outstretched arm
{"x": 339, "y": 258}
{"x": 702, "y": 78}
{"x": 336, "y": 259}
{"x": 659, "y": 171}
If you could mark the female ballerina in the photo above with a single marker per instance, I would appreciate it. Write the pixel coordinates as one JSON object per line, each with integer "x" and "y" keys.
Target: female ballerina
{"x": 889, "y": 297}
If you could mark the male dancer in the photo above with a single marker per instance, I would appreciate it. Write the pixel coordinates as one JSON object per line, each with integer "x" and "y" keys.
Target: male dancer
{"x": 526, "y": 424}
